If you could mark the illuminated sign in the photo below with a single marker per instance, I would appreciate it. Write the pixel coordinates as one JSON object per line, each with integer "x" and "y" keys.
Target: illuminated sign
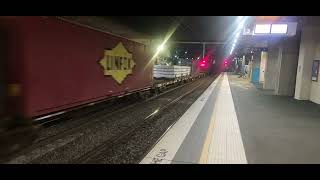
{"x": 279, "y": 28}
{"x": 271, "y": 29}
{"x": 262, "y": 29}
{"x": 117, "y": 63}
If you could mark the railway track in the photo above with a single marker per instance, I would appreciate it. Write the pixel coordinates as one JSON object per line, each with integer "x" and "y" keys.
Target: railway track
{"x": 95, "y": 154}
{"x": 92, "y": 119}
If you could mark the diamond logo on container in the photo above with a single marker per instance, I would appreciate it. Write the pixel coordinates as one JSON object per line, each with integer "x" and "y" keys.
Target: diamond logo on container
{"x": 117, "y": 63}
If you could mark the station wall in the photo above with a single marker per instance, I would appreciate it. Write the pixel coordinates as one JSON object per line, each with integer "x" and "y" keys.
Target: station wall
{"x": 315, "y": 86}
{"x": 288, "y": 68}
{"x": 280, "y": 72}
{"x": 306, "y": 89}
{"x": 271, "y": 70}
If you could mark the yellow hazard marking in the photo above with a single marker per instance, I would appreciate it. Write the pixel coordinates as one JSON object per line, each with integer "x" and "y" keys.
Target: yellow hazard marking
{"x": 206, "y": 146}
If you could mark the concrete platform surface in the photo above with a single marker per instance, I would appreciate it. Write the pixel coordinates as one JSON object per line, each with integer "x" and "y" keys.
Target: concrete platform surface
{"x": 276, "y": 129}
{"x": 233, "y": 122}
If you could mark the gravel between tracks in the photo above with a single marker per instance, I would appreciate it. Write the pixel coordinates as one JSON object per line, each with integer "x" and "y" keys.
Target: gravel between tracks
{"x": 132, "y": 148}
{"x": 79, "y": 117}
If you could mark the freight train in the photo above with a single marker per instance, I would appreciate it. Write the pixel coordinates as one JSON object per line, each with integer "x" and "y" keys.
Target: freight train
{"x": 49, "y": 64}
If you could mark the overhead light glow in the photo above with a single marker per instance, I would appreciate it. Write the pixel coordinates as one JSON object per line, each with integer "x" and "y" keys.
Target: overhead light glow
{"x": 165, "y": 40}
{"x": 241, "y": 21}
{"x": 160, "y": 48}
{"x": 240, "y": 26}
{"x": 238, "y": 34}
{"x": 231, "y": 50}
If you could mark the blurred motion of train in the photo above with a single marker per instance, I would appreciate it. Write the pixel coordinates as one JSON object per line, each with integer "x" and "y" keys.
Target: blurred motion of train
{"x": 49, "y": 64}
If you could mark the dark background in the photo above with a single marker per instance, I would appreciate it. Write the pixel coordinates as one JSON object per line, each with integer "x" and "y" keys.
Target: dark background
{"x": 191, "y": 28}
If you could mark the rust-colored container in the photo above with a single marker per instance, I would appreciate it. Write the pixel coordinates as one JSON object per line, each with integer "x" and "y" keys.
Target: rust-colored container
{"x": 55, "y": 65}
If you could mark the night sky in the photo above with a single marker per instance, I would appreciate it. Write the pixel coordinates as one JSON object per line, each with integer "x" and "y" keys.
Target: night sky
{"x": 191, "y": 28}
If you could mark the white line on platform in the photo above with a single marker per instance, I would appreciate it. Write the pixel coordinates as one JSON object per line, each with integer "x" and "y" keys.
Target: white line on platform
{"x": 165, "y": 150}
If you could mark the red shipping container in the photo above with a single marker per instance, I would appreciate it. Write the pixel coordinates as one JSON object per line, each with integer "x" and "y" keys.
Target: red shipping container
{"x": 57, "y": 64}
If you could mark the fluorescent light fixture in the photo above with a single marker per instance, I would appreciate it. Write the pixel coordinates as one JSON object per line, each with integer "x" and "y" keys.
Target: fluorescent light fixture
{"x": 262, "y": 29}
{"x": 279, "y": 29}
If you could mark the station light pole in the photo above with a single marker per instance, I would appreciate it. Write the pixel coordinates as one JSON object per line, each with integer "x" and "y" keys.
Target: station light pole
{"x": 203, "y": 49}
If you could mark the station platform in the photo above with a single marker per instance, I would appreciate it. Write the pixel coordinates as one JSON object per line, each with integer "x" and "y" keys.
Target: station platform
{"x": 233, "y": 122}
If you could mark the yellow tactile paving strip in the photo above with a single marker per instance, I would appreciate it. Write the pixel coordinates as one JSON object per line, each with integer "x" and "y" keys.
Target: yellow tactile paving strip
{"x": 223, "y": 143}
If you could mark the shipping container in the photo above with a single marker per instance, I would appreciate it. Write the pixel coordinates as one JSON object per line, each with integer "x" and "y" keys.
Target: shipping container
{"x": 55, "y": 65}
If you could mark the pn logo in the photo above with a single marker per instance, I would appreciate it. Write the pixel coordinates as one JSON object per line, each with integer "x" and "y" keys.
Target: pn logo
{"x": 117, "y": 63}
